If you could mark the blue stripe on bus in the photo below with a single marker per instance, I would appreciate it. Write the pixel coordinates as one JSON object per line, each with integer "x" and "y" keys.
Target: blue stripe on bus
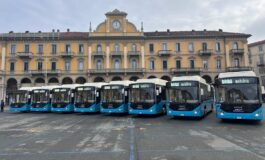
{"x": 89, "y": 109}
{"x": 121, "y": 109}
{"x": 24, "y": 108}
{"x": 257, "y": 115}
{"x": 155, "y": 109}
{"x": 44, "y": 108}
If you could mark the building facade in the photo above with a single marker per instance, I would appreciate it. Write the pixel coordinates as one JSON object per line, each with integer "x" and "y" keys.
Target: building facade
{"x": 257, "y": 59}
{"x": 117, "y": 50}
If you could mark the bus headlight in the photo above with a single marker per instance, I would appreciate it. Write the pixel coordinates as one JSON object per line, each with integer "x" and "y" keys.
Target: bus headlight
{"x": 130, "y": 110}
{"x": 195, "y": 112}
{"x": 222, "y": 113}
{"x": 169, "y": 111}
{"x": 151, "y": 110}
{"x": 256, "y": 115}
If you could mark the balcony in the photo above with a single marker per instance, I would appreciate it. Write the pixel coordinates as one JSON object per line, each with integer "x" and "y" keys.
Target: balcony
{"x": 53, "y": 72}
{"x": 98, "y": 71}
{"x": 135, "y": 70}
{"x": 117, "y": 71}
{"x": 207, "y": 52}
{"x": 98, "y": 54}
{"x": 134, "y": 53}
{"x": 25, "y": 55}
{"x": 236, "y": 69}
{"x": 237, "y": 52}
{"x": 37, "y": 73}
{"x": 116, "y": 53}
{"x": 260, "y": 64}
{"x": 67, "y": 54}
{"x": 164, "y": 53}
{"x": 186, "y": 71}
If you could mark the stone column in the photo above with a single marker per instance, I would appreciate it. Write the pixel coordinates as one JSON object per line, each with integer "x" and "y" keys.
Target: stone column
{"x": 125, "y": 56}
{"x": 107, "y": 56}
{"x": 3, "y": 58}
{"x": 246, "y": 58}
{"x": 227, "y": 55}
{"x": 142, "y": 56}
{"x": 3, "y": 71}
{"x": 89, "y": 57}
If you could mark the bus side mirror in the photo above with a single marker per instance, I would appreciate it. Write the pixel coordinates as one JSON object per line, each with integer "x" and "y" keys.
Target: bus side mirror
{"x": 28, "y": 96}
{"x": 72, "y": 94}
{"x": 50, "y": 95}
{"x": 97, "y": 94}
{"x": 125, "y": 93}
{"x": 160, "y": 89}
{"x": 157, "y": 92}
{"x": 122, "y": 91}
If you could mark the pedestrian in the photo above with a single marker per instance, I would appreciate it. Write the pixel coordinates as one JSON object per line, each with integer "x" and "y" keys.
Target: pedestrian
{"x": 2, "y": 105}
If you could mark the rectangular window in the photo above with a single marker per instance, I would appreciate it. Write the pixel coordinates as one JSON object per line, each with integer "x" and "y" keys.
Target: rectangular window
{"x": 192, "y": 65}
{"x": 12, "y": 66}
{"x": 177, "y": 47}
{"x": 80, "y": 65}
{"x": 204, "y": 46}
{"x": 54, "y": 48}
{"x": 67, "y": 48}
{"x": 151, "y": 48}
{"x": 152, "y": 64}
{"x": 39, "y": 66}
{"x": 164, "y": 65}
{"x": 26, "y": 66}
{"x": 81, "y": 48}
{"x": 191, "y": 48}
{"x": 26, "y": 49}
{"x": 205, "y": 64}
{"x": 13, "y": 49}
{"x": 218, "y": 46}
{"x": 164, "y": 46}
{"x": 53, "y": 67}
{"x": 40, "y": 48}
{"x": 178, "y": 64}
{"x": 260, "y": 48}
{"x": 67, "y": 66}
{"x": 218, "y": 64}
{"x": 261, "y": 59}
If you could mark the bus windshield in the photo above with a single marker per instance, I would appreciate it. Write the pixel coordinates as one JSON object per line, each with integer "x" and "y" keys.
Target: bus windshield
{"x": 21, "y": 97}
{"x": 142, "y": 93}
{"x": 61, "y": 95}
{"x": 40, "y": 96}
{"x": 112, "y": 94}
{"x": 235, "y": 93}
{"x": 85, "y": 94}
{"x": 183, "y": 92}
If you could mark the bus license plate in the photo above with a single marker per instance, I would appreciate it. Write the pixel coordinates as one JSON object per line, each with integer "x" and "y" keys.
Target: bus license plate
{"x": 238, "y": 117}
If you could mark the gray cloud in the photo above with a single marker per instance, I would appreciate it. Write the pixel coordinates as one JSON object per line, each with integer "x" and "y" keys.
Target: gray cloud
{"x": 246, "y": 16}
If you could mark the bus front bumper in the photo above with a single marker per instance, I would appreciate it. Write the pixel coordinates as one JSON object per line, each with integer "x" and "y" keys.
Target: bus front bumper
{"x": 45, "y": 108}
{"x": 257, "y": 115}
{"x": 24, "y": 108}
{"x": 151, "y": 111}
{"x": 197, "y": 112}
{"x": 68, "y": 108}
{"x": 91, "y": 109}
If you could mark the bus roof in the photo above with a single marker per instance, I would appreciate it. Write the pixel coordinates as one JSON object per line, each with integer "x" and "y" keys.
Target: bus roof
{"x": 48, "y": 87}
{"x": 124, "y": 83}
{"x": 93, "y": 84}
{"x": 28, "y": 88}
{"x": 153, "y": 80}
{"x": 69, "y": 86}
{"x": 237, "y": 74}
{"x": 189, "y": 78}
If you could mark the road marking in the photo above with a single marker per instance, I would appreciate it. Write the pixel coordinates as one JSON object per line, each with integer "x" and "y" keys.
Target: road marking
{"x": 132, "y": 141}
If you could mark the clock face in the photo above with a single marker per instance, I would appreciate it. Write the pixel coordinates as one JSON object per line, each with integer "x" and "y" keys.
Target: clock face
{"x": 116, "y": 24}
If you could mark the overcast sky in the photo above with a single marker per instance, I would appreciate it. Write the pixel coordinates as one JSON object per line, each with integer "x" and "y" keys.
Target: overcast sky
{"x": 247, "y": 16}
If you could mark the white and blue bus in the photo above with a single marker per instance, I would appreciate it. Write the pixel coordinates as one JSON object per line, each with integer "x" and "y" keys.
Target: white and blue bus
{"x": 239, "y": 96}
{"x": 189, "y": 96}
{"x": 63, "y": 98}
{"x": 41, "y": 99}
{"x": 147, "y": 96}
{"x": 87, "y": 97}
{"x": 20, "y": 100}
{"x": 114, "y": 97}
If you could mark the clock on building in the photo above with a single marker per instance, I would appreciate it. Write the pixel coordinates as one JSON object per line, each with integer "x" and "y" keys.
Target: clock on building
{"x": 116, "y": 24}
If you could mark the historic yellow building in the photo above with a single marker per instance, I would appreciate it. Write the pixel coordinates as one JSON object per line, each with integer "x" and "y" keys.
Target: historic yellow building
{"x": 117, "y": 50}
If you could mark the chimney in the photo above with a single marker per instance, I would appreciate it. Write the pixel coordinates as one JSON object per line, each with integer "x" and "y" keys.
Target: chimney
{"x": 68, "y": 30}
{"x": 168, "y": 30}
{"x": 193, "y": 30}
{"x": 11, "y": 32}
{"x": 220, "y": 30}
{"x": 53, "y": 30}
{"x": 27, "y": 32}
{"x": 39, "y": 31}
{"x": 58, "y": 30}
{"x": 204, "y": 30}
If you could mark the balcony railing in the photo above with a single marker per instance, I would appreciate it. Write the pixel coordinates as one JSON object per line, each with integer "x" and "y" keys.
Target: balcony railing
{"x": 186, "y": 71}
{"x": 164, "y": 53}
{"x": 260, "y": 64}
{"x": 67, "y": 54}
{"x": 98, "y": 54}
{"x": 238, "y": 52}
{"x": 116, "y": 53}
{"x": 98, "y": 71}
{"x": 53, "y": 72}
{"x": 37, "y": 72}
{"x": 206, "y": 52}
{"x": 134, "y": 53}
{"x": 26, "y": 55}
{"x": 236, "y": 69}
{"x": 116, "y": 71}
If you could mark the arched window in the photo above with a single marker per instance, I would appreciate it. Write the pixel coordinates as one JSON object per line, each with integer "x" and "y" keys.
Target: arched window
{"x": 134, "y": 63}
{"x": 116, "y": 64}
{"x": 134, "y": 48}
{"x": 99, "y": 48}
{"x": 235, "y": 45}
{"x": 99, "y": 64}
{"x": 116, "y": 47}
